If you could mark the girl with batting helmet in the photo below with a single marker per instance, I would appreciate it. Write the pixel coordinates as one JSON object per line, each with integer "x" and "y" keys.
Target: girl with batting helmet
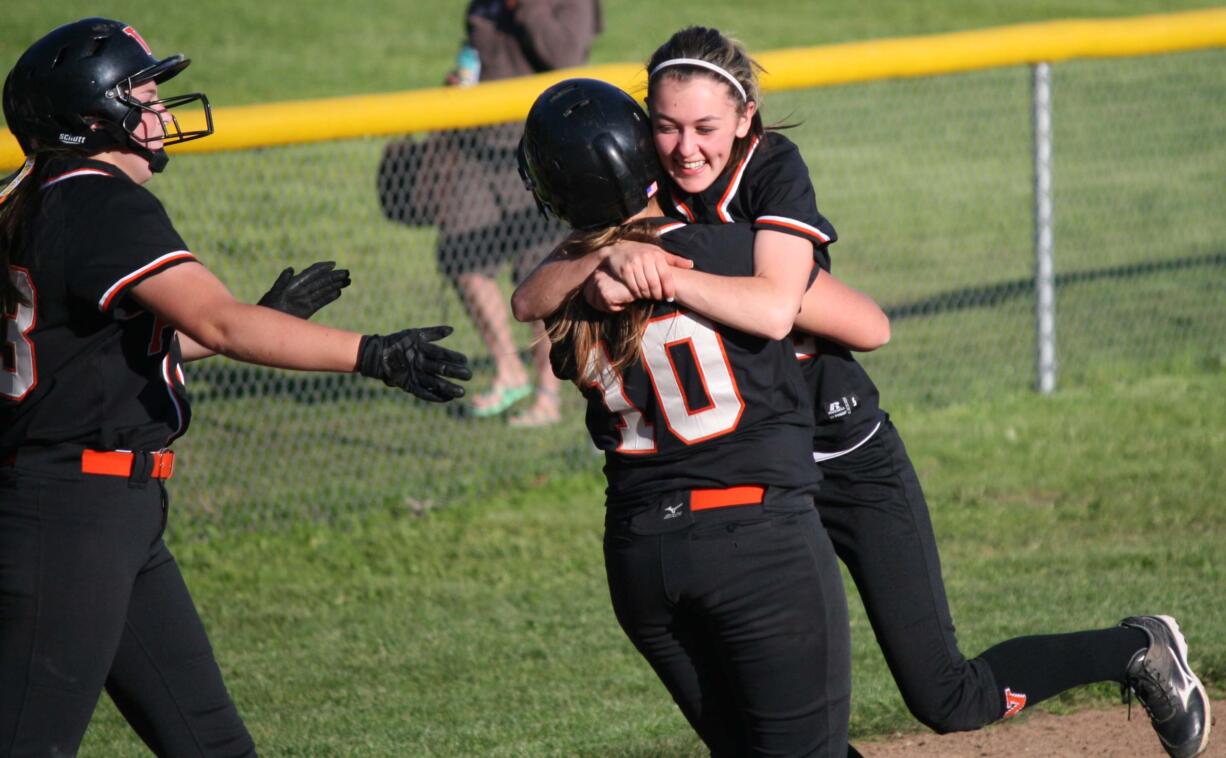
{"x": 718, "y": 568}
{"x": 724, "y": 167}
{"x": 102, "y": 301}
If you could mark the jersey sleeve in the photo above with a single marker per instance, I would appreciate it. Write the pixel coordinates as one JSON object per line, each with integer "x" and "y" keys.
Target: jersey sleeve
{"x": 783, "y": 198}
{"x": 721, "y": 249}
{"x": 131, "y": 238}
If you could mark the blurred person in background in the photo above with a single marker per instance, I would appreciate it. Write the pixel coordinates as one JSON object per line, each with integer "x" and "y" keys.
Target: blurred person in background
{"x": 485, "y": 217}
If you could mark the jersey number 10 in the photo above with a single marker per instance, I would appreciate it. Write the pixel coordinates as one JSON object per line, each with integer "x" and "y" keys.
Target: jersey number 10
{"x": 718, "y": 417}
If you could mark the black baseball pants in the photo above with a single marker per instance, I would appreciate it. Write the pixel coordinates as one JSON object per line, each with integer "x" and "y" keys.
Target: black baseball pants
{"x": 873, "y": 507}
{"x": 741, "y": 613}
{"x": 90, "y": 598}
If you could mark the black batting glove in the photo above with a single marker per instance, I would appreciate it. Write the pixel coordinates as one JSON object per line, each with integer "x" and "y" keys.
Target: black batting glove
{"x": 306, "y": 293}
{"x": 410, "y": 361}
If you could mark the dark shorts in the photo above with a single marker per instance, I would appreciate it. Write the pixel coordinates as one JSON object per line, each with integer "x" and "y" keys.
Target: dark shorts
{"x": 522, "y": 238}
{"x": 466, "y": 182}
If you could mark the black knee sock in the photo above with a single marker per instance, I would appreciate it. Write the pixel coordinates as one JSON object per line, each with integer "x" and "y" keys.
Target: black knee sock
{"x": 1033, "y": 669}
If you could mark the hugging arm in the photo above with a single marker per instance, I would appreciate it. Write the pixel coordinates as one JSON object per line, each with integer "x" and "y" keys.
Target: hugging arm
{"x": 551, "y": 283}
{"x": 765, "y": 304}
{"x": 832, "y": 310}
{"x": 559, "y": 276}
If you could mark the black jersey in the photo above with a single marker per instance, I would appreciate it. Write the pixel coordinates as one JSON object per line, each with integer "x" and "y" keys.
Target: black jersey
{"x": 83, "y": 364}
{"x": 706, "y": 406}
{"x": 770, "y": 188}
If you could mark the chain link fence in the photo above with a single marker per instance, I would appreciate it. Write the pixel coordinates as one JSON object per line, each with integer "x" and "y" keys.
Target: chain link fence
{"x": 929, "y": 181}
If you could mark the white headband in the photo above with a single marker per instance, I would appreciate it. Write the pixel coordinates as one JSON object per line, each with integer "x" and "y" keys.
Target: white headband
{"x": 702, "y": 64}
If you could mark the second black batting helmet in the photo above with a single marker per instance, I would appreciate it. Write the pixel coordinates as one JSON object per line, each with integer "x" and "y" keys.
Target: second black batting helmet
{"x": 72, "y": 90}
{"x": 587, "y": 154}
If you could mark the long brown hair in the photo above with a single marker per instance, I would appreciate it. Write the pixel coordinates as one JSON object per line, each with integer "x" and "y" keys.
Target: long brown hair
{"x": 714, "y": 47}
{"x": 577, "y": 328}
{"x": 17, "y": 211}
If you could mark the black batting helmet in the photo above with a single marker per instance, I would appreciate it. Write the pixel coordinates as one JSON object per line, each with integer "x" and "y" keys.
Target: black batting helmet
{"x": 72, "y": 90}
{"x": 587, "y": 154}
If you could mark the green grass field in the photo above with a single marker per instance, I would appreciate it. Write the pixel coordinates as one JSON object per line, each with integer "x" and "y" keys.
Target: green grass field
{"x": 485, "y": 629}
{"x": 353, "y": 615}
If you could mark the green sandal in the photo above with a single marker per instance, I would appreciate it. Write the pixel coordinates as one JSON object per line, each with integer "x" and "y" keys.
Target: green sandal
{"x": 497, "y": 400}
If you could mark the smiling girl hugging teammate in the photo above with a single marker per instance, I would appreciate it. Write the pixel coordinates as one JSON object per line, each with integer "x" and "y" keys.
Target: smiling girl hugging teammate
{"x": 724, "y": 166}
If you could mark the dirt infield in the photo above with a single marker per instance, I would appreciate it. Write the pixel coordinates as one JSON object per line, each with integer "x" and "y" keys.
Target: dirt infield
{"x": 1105, "y": 732}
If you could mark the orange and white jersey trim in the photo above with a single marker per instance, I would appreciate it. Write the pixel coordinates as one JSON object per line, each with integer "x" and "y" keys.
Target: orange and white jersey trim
{"x": 104, "y": 303}
{"x": 796, "y": 226}
{"x": 73, "y": 174}
{"x": 735, "y": 183}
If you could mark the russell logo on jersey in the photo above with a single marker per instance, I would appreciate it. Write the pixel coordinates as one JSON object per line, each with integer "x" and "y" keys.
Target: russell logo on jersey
{"x": 842, "y": 407}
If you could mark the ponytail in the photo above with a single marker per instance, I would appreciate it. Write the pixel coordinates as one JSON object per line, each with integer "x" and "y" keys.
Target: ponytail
{"x": 17, "y": 196}
{"x": 577, "y": 328}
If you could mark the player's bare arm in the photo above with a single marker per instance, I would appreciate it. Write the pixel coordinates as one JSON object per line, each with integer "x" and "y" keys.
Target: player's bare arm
{"x": 829, "y": 308}
{"x": 213, "y": 320}
{"x": 837, "y": 312}
{"x": 191, "y": 350}
{"x": 551, "y": 283}
{"x": 560, "y": 276}
{"x": 302, "y": 295}
{"x": 765, "y": 304}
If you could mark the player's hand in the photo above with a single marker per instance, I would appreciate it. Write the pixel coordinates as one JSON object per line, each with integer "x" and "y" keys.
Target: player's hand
{"x": 604, "y": 293}
{"x": 304, "y": 294}
{"x": 410, "y": 361}
{"x": 644, "y": 268}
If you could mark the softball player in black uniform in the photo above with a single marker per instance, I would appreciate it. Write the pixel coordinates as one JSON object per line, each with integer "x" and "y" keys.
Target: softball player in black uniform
{"x": 718, "y": 569}
{"x": 102, "y": 300}
{"x": 871, "y": 501}
{"x": 724, "y": 167}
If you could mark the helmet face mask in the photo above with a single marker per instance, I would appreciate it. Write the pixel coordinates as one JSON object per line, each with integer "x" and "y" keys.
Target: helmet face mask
{"x": 72, "y": 90}
{"x": 173, "y": 132}
{"x": 587, "y": 155}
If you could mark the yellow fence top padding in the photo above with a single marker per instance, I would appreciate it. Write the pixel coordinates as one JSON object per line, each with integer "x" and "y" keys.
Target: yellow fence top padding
{"x": 249, "y": 126}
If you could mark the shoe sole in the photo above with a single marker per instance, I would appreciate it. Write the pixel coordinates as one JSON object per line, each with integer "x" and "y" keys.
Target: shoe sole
{"x": 1181, "y": 646}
